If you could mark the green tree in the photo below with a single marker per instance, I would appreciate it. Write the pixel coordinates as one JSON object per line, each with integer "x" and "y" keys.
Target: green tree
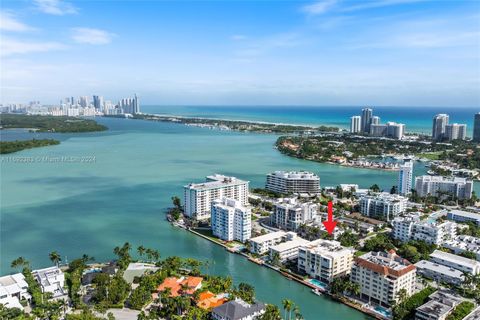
{"x": 271, "y": 313}
{"x": 287, "y": 307}
{"x": 55, "y": 257}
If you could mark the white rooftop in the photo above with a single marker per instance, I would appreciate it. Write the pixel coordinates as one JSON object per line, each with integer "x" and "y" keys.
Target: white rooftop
{"x": 216, "y": 181}
{"x": 292, "y": 244}
{"x": 454, "y": 258}
{"x": 438, "y": 268}
{"x": 269, "y": 236}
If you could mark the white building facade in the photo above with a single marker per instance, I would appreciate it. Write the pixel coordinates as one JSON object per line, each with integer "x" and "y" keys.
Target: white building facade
{"x": 231, "y": 220}
{"x": 289, "y": 213}
{"x": 325, "y": 260}
{"x": 198, "y": 197}
{"x": 460, "y": 188}
{"x": 412, "y": 228}
{"x": 381, "y": 275}
{"x": 383, "y": 205}
{"x": 405, "y": 176}
{"x": 293, "y": 182}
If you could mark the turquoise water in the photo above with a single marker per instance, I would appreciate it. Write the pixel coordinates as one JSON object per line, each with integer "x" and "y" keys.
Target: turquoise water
{"x": 90, "y": 207}
{"x": 417, "y": 119}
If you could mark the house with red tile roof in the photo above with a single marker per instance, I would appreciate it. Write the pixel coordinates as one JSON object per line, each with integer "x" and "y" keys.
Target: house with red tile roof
{"x": 180, "y": 286}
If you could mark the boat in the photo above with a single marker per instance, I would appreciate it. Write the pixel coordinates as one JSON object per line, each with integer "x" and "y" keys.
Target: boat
{"x": 317, "y": 292}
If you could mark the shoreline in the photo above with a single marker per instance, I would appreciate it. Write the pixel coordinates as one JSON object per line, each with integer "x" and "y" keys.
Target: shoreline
{"x": 285, "y": 274}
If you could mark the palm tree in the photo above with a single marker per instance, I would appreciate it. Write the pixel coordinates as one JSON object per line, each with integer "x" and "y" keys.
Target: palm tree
{"x": 287, "y": 307}
{"x": 271, "y": 313}
{"x": 55, "y": 257}
{"x": 298, "y": 315}
{"x": 20, "y": 262}
{"x": 141, "y": 250}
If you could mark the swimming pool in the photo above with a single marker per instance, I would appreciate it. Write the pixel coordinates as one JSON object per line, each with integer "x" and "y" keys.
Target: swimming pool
{"x": 383, "y": 311}
{"x": 317, "y": 283}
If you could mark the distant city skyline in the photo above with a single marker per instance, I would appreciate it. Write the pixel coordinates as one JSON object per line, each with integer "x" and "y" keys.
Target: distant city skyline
{"x": 329, "y": 52}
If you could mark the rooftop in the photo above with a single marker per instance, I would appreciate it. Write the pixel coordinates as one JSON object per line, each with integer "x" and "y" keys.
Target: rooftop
{"x": 269, "y": 236}
{"x": 238, "y": 309}
{"x": 438, "y": 268}
{"x": 287, "y": 245}
{"x": 465, "y": 214}
{"x": 328, "y": 247}
{"x": 386, "y": 263}
{"x": 295, "y": 175}
{"x": 216, "y": 181}
{"x": 454, "y": 258}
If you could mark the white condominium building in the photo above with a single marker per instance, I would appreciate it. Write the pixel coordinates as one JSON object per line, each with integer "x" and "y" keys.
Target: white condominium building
{"x": 198, "y": 197}
{"x": 13, "y": 288}
{"x": 288, "y": 250}
{"x": 293, "y": 182}
{"x": 456, "y": 262}
{"x": 382, "y": 205}
{"x": 51, "y": 280}
{"x": 325, "y": 260}
{"x": 456, "y": 131}
{"x": 463, "y": 216}
{"x": 381, "y": 275}
{"x": 289, "y": 213}
{"x": 433, "y": 232}
{"x": 355, "y": 124}
{"x": 464, "y": 243}
{"x": 460, "y": 188}
{"x": 230, "y": 220}
{"x": 261, "y": 244}
{"x": 405, "y": 175}
{"x": 439, "y": 272}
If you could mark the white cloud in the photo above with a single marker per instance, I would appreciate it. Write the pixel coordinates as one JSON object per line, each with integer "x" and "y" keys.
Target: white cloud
{"x": 9, "y": 46}
{"x": 238, "y": 37}
{"x": 8, "y": 22}
{"x": 91, "y": 36}
{"x": 262, "y": 46}
{"x": 55, "y": 7}
{"x": 378, "y": 4}
{"x": 319, "y": 7}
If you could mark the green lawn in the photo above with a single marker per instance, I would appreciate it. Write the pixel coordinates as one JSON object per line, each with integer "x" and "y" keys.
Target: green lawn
{"x": 430, "y": 155}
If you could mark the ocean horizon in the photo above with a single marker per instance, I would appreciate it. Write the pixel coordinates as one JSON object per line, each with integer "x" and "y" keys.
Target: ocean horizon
{"x": 416, "y": 119}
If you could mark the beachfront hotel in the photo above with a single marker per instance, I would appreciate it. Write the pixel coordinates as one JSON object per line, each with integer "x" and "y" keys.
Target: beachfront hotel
{"x": 381, "y": 275}
{"x": 198, "y": 197}
{"x": 460, "y": 188}
{"x": 231, "y": 220}
{"x": 384, "y": 206}
{"x": 293, "y": 182}
{"x": 325, "y": 260}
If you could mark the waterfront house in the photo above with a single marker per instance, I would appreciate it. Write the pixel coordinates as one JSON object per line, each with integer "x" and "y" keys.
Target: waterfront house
{"x": 51, "y": 280}
{"x": 13, "y": 289}
{"x": 180, "y": 286}
{"x": 208, "y": 300}
{"x": 238, "y": 310}
{"x": 261, "y": 244}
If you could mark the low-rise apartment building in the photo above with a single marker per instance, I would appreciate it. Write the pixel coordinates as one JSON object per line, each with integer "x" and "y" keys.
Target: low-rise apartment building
{"x": 463, "y": 216}
{"x": 456, "y": 262}
{"x": 325, "y": 260}
{"x": 381, "y": 275}
{"x": 289, "y": 249}
{"x": 463, "y": 243}
{"x": 439, "y": 307}
{"x": 261, "y": 244}
{"x": 439, "y": 273}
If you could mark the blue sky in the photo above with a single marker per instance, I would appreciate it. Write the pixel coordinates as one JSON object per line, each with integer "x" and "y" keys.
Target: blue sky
{"x": 327, "y": 52}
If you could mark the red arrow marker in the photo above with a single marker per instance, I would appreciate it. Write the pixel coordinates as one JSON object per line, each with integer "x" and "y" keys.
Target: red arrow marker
{"x": 330, "y": 224}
